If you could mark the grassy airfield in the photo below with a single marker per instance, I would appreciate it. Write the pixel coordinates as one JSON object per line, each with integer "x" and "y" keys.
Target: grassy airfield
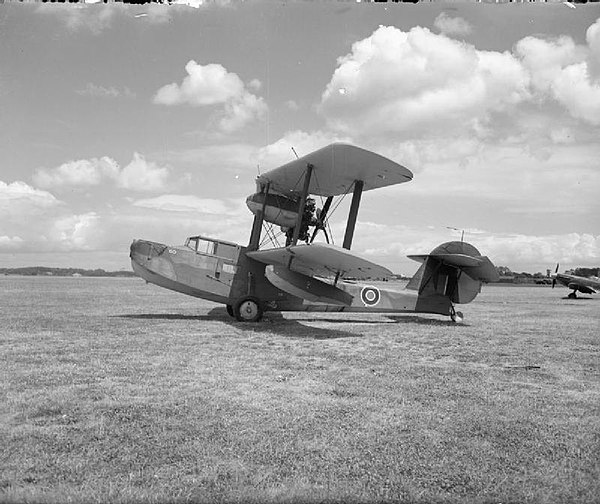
{"x": 117, "y": 391}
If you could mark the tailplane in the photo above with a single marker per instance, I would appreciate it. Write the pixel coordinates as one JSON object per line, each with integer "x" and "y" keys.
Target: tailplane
{"x": 452, "y": 273}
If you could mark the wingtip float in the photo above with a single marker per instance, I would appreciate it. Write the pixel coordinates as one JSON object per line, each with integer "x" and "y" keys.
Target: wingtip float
{"x": 307, "y": 276}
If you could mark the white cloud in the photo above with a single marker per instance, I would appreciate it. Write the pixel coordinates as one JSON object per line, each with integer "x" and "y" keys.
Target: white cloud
{"x": 138, "y": 175}
{"x": 212, "y": 84}
{"x": 566, "y": 72}
{"x": 142, "y": 175}
{"x": 79, "y": 173}
{"x": 75, "y": 232}
{"x": 417, "y": 83}
{"x": 452, "y": 25}
{"x": 184, "y": 203}
{"x": 20, "y": 199}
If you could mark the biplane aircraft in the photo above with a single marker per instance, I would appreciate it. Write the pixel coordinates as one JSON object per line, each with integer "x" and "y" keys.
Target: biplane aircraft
{"x": 305, "y": 275}
{"x": 576, "y": 283}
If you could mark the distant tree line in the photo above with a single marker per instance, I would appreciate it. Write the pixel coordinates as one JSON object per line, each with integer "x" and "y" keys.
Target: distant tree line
{"x": 46, "y": 271}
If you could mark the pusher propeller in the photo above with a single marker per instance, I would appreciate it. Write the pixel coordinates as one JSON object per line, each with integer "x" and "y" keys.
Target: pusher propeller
{"x": 321, "y": 216}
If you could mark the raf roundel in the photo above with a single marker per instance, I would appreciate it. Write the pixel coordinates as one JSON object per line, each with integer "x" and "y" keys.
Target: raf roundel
{"x": 370, "y": 296}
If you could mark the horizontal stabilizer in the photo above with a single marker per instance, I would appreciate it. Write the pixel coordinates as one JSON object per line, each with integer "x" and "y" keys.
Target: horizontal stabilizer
{"x": 320, "y": 259}
{"x": 485, "y": 272}
{"x": 336, "y": 168}
{"x": 478, "y": 267}
{"x": 458, "y": 260}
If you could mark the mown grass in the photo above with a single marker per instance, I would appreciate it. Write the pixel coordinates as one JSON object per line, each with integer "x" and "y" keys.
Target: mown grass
{"x": 113, "y": 390}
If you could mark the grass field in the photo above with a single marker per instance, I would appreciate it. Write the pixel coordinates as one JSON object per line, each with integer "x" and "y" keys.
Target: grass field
{"x": 117, "y": 391}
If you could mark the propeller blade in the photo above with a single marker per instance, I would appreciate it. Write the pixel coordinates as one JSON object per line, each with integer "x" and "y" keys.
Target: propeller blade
{"x": 553, "y": 282}
{"x": 556, "y": 270}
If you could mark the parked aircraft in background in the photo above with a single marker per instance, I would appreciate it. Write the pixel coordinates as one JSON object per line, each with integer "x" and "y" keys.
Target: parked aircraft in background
{"x": 576, "y": 283}
{"x": 304, "y": 275}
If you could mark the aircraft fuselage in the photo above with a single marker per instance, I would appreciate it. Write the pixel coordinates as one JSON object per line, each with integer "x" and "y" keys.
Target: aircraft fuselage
{"x": 221, "y": 272}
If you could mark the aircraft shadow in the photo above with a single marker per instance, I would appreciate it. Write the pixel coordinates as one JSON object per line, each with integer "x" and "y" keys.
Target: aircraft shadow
{"x": 275, "y": 323}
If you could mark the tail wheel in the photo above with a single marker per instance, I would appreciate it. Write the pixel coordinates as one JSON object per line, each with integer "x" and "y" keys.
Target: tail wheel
{"x": 248, "y": 309}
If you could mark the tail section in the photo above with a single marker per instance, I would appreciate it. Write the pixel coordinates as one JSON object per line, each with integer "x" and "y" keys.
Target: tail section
{"x": 452, "y": 273}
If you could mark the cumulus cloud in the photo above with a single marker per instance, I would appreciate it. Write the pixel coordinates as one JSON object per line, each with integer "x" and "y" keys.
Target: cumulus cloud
{"x": 138, "y": 175}
{"x": 20, "y": 199}
{"x": 142, "y": 175}
{"x": 74, "y": 232}
{"x": 397, "y": 82}
{"x": 418, "y": 84}
{"x": 79, "y": 173}
{"x": 566, "y": 72}
{"x": 452, "y": 25}
{"x": 34, "y": 220}
{"x": 184, "y": 203}
{"x": 210, "y": 85}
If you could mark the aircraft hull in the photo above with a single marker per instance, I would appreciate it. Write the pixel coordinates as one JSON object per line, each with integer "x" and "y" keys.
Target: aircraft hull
{"x": 167, "y": 283}
{"x": 203, "y": 276}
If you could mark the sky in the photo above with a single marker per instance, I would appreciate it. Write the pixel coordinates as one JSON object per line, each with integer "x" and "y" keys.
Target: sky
{"x": 151, "y": 121}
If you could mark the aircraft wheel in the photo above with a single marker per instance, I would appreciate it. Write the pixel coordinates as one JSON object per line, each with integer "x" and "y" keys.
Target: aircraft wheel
{"x": 572, "y": 295}
{"x": 248, "y": 309}
{"x": 456, "y": 316}
{"x": 229, "y": 309}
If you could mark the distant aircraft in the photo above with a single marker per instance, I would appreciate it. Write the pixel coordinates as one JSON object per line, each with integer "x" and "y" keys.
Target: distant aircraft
{"x": 312, "y": 276}
{"x": 577, "y": 283}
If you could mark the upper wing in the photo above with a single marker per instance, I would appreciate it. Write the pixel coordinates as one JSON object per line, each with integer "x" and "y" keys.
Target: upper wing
{"x": 336, "y": 167}
{"x": 320, "y": 259}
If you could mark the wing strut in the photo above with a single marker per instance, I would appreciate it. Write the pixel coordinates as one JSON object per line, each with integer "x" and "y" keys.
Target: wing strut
{"x": 303, "y": 196}
{"x": 258, "y": 222}
{"x": 358, "y": 188}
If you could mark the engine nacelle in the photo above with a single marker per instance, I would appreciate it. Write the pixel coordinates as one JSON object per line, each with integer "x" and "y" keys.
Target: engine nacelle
{"x": 279, "y": 209}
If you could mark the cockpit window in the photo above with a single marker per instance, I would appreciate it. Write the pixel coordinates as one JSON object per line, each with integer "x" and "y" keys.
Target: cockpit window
{"x": 215, "y": 248}
{"x": 192, "y": 243}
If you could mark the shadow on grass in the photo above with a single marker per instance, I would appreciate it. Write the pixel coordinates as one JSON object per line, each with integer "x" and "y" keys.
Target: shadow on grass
{"x": 411, "y": 319}
{"x": 272, "y": 323}
{"x": 578, "y": 298}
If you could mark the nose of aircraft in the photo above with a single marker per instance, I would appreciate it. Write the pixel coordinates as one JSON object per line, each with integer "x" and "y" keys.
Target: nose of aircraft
{"x": 148, "y": 259}
{"x": 144, "y": 249}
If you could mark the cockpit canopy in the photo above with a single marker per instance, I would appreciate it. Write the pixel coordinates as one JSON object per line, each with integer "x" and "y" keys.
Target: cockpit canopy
{"x": 213, "y": 247}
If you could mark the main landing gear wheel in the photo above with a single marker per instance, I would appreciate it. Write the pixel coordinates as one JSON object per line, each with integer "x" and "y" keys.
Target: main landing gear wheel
{"x": 572, "y": 295}
{"x": 456, "y": 316}
{"x": 248, "y": 309}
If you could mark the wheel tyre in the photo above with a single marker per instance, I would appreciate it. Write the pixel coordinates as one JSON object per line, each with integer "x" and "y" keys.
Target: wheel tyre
{"x": 248, "y": 309}
{"x": 456, "y": 316}
{"x": 229, "y": 309}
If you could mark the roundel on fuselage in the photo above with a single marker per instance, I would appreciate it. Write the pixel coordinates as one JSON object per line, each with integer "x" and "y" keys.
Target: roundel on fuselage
{"x": 370, "y": 296}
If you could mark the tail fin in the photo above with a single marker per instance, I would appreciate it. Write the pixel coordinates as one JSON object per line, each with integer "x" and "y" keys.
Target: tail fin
{"x": 454, "y": 270}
